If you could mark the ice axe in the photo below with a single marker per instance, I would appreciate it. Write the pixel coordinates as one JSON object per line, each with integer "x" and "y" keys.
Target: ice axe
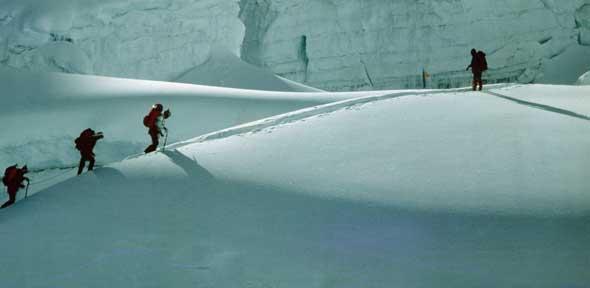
{"x": 167, "y": 114}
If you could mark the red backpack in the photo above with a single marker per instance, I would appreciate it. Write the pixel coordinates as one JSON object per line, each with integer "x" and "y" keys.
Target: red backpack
{"x": 150, "y": 119}
{"x": 10, "y": 174}
{"x": 483, "y": 61}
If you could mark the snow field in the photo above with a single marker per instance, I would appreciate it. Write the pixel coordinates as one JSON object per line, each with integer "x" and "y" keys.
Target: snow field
{"x": 417, "y": 190}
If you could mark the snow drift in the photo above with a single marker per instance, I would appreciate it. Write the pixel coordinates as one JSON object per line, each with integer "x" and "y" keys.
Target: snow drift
{"x": 224, "y": 69}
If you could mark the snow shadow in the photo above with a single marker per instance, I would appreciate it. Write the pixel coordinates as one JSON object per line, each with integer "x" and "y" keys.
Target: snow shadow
{"x": 109, "y": 174}
{"x": 189, "y": 165}
{"x": 174, "y": 232}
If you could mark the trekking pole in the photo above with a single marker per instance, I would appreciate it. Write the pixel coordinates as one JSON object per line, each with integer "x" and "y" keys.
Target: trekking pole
{"x": 27, "y": 189}
{"x": 165, "y": 140}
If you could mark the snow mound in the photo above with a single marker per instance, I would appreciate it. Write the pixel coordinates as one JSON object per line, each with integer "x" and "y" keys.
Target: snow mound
{"x": 224, "y": 69}
{"x": 391, "y": 191}
{"x": 584, "y": 79}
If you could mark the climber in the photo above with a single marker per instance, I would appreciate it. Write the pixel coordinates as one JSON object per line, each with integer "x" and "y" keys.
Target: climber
{"x": 155, "y": 122}
{"x": 13, "y": 180}
{"x": 85, "y": 144}
{"x": 478, "y": 65}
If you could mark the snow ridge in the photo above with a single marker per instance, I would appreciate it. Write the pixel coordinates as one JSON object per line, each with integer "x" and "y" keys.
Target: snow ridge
{"x": 541, "y": 106}
{"x": 312, "y": 111}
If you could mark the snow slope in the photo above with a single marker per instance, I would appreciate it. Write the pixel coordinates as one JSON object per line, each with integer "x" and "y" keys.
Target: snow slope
{"x": 493, "y": 146}
{"x": 44, "y": 112}
{"x": 51, "y": 108}
{"x": 450, "y": 188}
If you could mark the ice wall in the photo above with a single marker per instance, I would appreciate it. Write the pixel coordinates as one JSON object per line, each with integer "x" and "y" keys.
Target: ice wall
{"x": 329, "y": 44}
{"x": 373, "y": 44}
{"x": 147, "y": 39}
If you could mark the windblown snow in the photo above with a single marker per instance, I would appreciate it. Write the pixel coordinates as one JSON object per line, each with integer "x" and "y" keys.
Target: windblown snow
{"x": 373, "y": 189}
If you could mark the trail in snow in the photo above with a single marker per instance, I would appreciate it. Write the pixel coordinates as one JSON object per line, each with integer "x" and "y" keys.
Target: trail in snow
{"x": 569, "y": 98}
{"x": 313, "y": 111}
{"x": 541, "y": 106}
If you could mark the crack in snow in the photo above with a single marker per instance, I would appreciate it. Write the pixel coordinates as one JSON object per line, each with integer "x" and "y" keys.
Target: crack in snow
{"x": 367, "y": 73}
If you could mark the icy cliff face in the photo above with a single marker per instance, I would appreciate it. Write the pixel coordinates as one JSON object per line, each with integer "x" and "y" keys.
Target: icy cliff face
{"x": 147, "y": 39}
{"x": 366, "y": 44}
{"x": 330, "y": 44}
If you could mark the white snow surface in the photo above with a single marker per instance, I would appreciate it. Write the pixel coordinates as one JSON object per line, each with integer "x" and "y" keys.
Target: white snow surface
{"x": 332, "y": 45}
{"x": 398, "y": 189}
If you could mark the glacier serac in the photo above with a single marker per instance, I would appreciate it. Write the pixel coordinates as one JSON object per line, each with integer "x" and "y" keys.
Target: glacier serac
{"x": 154, "y": 40}
{"x": 329, "y": 44}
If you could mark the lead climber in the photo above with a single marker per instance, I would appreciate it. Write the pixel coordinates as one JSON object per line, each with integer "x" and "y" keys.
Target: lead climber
{"x": 155, "y": 122}
{"x": 478, "y": 65}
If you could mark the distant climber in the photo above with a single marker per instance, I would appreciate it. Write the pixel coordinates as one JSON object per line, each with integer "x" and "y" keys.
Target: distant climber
{"x": 478, "y": 65}
{"x": 13, "y": 180}
{"x": 85, "y": 144}
{"x": 155, "y": 122}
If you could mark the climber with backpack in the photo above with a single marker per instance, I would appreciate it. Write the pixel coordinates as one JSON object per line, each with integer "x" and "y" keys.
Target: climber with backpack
{"x": 85, "y": 144}
{"x": 155, "y": 122}
{"x": 13, "y": 180}
{"x": 478, "y": 65}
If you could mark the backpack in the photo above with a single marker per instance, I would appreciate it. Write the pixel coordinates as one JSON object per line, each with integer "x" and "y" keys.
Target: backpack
{"x": 9, "y": 175}
{"x": 483, "y": 61}
{"x": 150, "y": 119}
{"x": 84, "y": 135}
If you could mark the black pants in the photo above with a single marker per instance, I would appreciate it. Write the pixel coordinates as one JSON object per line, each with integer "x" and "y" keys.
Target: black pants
{"x": 155, "y": 142}
{"x": 477, "y": 80}
{"x": 83, "y": 158}
{"x": 11, "y": 196}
